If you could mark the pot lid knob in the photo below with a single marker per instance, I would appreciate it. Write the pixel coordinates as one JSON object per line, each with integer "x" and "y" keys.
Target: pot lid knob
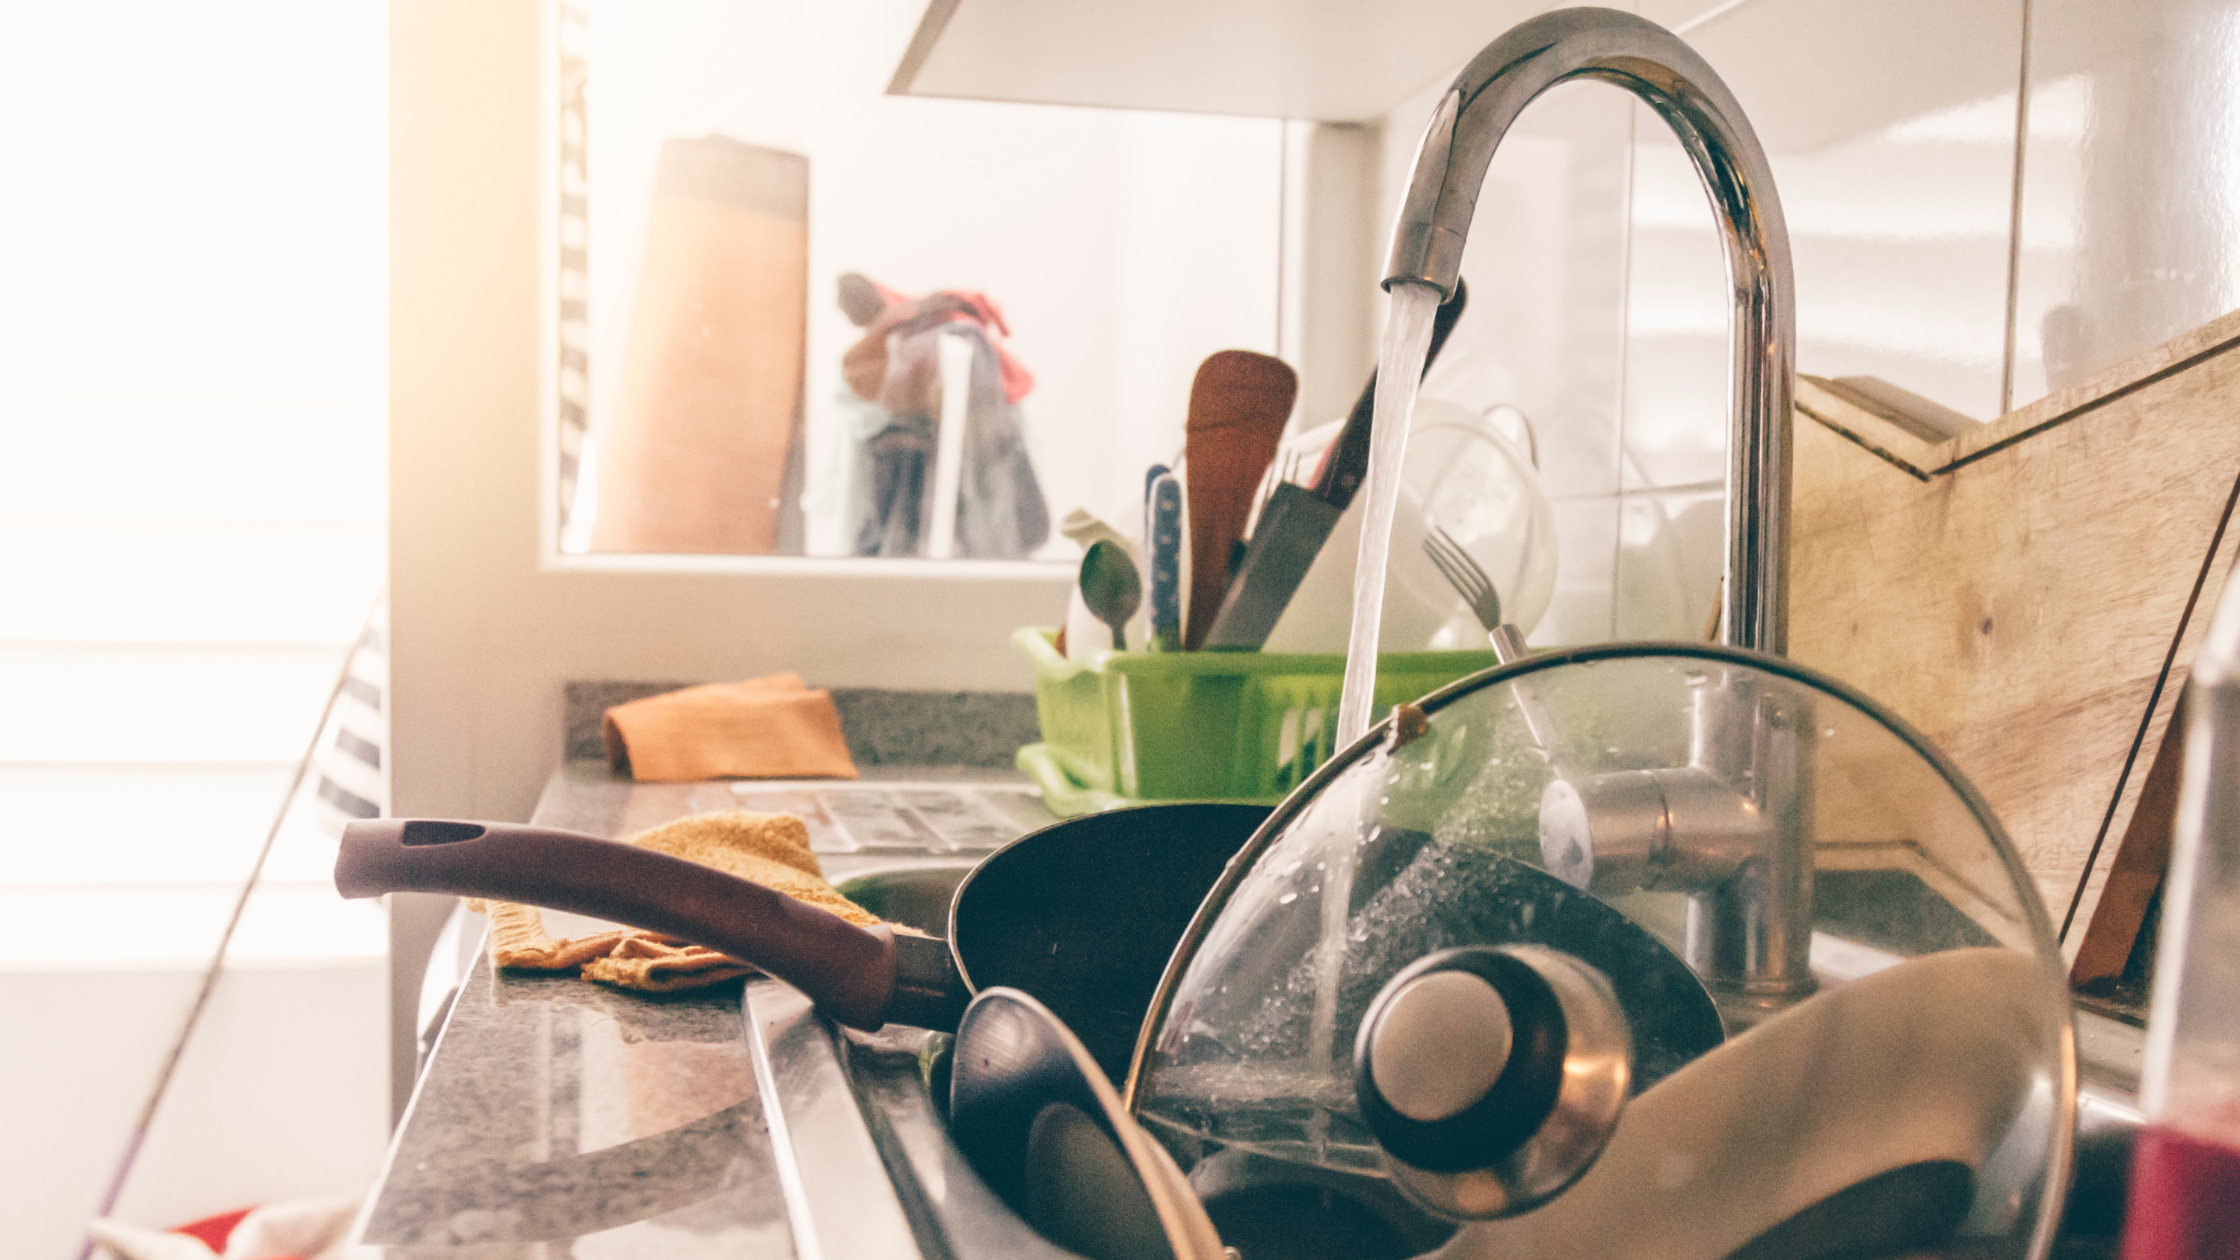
{"x": 1491, "y": 1076}
{"x": 1411, "y": 1052}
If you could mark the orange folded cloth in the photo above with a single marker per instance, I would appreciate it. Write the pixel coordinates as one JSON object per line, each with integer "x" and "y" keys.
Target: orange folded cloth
{"x": 770, "y": 849}
{"x": 764, "y": 728}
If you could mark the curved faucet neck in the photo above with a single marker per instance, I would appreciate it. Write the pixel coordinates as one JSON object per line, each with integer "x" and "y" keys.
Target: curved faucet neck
{"x": 1656, "y": 66}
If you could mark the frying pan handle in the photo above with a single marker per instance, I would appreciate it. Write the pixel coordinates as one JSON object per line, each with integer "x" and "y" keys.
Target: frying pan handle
{"x": 849, "y": 972}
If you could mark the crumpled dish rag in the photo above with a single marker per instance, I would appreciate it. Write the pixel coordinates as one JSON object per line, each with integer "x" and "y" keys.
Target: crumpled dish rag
{"x": 769, "y": 849}
{"x": 775, "y": 727}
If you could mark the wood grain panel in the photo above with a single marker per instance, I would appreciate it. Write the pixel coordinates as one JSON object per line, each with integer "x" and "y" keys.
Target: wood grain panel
{"x": 2030, "y": 594}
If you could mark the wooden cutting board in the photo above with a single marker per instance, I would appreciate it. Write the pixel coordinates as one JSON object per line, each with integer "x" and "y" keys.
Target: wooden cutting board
{"x": 2031, "y": 593}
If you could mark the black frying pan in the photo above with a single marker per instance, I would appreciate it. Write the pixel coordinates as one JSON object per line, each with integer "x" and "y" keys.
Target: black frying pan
{"x": 1082, "y": 914}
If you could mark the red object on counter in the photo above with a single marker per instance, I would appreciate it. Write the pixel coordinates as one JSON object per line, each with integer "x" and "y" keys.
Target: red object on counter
{"x": 213, "y": 1231}
{"x": 2185, "y": 1198}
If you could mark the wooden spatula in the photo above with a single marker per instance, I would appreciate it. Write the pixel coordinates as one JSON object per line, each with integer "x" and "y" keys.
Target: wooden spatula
{"x": 1238, "y": 404}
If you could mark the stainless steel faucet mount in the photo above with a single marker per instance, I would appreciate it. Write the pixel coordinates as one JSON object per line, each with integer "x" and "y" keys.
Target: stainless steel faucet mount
{"x": 1732, "y": 827}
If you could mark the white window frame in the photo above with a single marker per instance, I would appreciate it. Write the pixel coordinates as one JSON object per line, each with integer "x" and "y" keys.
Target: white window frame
{"x": 488, "y": 619}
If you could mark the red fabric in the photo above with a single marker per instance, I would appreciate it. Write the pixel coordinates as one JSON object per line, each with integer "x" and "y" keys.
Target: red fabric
{"x": 213, "y": 1230}
{"x": 953, "y": 306}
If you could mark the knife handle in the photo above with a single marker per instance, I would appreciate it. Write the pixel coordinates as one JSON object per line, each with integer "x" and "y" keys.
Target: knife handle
{"x": 1345, "y": 462}
{"x": 848, "y": 971}
{"x": 1163, "y": 542}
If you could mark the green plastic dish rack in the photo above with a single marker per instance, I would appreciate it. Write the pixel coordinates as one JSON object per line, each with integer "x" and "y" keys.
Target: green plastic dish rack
{"x": 1125, "y": 727}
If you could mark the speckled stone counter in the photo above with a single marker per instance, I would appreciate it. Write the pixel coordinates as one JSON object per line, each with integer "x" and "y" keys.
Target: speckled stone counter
{"x": 556, "y": 1118}
{"x": 560, "y": 1119}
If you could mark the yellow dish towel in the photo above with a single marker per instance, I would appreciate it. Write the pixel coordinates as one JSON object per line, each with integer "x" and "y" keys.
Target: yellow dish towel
{"x": 770, "y": 849}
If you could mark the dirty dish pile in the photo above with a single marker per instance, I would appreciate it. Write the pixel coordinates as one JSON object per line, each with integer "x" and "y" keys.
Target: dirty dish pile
{"x": 1803, "y": 962}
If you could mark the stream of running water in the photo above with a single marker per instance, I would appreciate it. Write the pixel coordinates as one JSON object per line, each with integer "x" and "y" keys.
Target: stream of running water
{"x": 1407, "y": 340}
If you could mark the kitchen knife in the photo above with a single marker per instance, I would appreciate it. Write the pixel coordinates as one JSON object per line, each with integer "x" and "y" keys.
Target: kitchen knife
{"x": 1298, "y": 519}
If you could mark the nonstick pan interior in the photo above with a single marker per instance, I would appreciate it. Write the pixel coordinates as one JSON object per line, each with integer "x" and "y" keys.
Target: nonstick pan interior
{"x": 1084, "y": 914}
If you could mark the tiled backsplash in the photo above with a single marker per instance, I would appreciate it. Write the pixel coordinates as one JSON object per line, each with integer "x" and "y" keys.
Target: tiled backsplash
{"x": 2130, "y": 182}
{"x": 1926, "y": 254}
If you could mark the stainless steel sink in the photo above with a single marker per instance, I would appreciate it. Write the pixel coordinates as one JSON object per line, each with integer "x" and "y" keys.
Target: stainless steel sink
{"x": 899, "y": 1138}
{"x": 914, "y": 894}
{"x": 864, "y": 1160}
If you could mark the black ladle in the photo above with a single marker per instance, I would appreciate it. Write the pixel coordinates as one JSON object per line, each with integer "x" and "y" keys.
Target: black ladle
{"x": 1042, "y": 1125}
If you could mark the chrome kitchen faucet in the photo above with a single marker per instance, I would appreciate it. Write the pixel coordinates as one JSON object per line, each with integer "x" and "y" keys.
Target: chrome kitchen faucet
{"x": 1731, "y": 828}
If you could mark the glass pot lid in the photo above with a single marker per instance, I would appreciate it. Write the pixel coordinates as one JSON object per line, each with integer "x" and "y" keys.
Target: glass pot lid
{"x": 1634, "y": 949}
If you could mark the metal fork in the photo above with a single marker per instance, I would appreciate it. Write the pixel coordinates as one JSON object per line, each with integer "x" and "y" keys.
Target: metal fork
{"x": 1470, "y": 581}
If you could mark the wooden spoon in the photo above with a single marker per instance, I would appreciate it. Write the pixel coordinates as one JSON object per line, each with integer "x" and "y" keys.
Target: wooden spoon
{"x": 1238, "y": 405}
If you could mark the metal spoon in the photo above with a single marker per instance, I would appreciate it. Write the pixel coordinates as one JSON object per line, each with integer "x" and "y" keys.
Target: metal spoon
{"x": 1111, "y": 587}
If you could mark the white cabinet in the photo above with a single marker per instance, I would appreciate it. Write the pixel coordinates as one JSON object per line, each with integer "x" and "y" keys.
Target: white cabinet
{"x": 1318, "y": 60}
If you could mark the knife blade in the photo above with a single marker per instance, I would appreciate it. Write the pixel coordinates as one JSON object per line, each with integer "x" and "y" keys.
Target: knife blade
{"x": 1298, "y": 519}
{"x": 1293, "y": 526}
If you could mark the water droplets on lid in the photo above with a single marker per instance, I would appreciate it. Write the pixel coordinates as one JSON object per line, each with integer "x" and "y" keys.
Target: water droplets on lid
{"x": 1458, "y": 856}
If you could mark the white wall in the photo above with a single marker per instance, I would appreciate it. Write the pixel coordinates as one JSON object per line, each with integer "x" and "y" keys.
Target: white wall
{"x": 284, "y": 1088}
{"x": 280, "y": 1095}
{"x": 191, "y": 502}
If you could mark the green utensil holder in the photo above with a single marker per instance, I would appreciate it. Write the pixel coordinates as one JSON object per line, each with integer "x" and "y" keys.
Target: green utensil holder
{"x": 1121, "y": 728}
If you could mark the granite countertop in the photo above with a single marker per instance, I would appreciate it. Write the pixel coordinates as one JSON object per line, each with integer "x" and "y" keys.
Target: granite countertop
{"x": 555, "y": 1111}
{"x": 558, "y": 1118}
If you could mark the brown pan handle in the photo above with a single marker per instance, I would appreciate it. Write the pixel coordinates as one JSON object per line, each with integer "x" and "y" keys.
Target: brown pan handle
{"x": 848, "y": 971}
